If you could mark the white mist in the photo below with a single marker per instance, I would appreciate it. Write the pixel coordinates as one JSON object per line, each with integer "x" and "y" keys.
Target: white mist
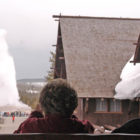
{"x": 8, "y": 89}
{"x": 129, "y": 86}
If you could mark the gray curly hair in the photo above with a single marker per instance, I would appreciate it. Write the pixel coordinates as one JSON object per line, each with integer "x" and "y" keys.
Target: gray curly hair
{"x": 58, "y": 97}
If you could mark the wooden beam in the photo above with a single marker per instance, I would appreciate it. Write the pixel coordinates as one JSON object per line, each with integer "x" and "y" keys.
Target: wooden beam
{"x": 61, "y": 58}
{"x": 136, "y": 43}
{"x": 57, "y": 20}
{"x": 63, "y": 136}
{"x": 134, "y": 61}
{"x": 51, "y": 68}
{"x": 54, "y": 45}
{"x": 137, "y": 52}
{"x": 59, "y": 36}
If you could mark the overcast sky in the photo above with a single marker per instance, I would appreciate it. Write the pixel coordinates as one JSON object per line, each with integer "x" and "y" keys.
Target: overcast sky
{"x": 32, "y": 30}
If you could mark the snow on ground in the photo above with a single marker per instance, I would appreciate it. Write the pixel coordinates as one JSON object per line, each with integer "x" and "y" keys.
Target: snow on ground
{"x": 32, "y": 91}
{"x": 129, "y": 86}
{"x": 10, "y": 108}
{"x": 36, "y": 83}
{"x": 9, "y": 127}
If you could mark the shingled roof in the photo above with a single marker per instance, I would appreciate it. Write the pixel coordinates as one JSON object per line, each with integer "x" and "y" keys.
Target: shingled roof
{"x": 96, "y": 50}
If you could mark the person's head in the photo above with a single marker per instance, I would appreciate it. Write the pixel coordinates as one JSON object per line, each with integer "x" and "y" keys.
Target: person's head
{"x": 58, "y": 97}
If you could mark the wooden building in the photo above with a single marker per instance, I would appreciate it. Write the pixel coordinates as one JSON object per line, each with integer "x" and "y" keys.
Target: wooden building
{"x": 91, "y": 53}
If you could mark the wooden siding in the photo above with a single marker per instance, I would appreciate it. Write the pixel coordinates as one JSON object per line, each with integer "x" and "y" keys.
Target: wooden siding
{"x": 130, "y": 110}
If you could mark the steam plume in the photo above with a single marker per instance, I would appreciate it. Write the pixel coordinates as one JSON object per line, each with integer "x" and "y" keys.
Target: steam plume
{"x": 8, "y": 90}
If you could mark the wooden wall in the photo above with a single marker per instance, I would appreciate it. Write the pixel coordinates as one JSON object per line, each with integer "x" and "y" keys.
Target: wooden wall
{"x": 130, "y": 110}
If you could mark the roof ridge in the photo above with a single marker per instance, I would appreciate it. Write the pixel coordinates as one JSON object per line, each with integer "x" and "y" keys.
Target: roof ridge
{"x": 90, "y": 17}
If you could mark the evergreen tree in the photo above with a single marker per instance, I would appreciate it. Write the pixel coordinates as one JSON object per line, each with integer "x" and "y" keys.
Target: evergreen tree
{"x": 50, "y": 75}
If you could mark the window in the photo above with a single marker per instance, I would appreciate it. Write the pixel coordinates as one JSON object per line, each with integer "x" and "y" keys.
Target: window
{"x": 101, "y": 105}
{"x": 108, "y": 105}
{"x": 115, "y": 106}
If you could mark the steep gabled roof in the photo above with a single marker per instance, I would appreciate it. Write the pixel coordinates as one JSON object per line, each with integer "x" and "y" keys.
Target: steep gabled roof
{"x": 96, "y": 50}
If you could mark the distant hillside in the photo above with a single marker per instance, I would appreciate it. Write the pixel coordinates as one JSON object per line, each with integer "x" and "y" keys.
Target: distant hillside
{"x": 30, "y": 80}
{"x": 29, "y": 90}
{"x": 30, "y": 85}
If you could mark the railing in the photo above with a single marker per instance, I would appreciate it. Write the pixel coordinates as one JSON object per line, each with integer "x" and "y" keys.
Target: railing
{"x": 69, "y": 137}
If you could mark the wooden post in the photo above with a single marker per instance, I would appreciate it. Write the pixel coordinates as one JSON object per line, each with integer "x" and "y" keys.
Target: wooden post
{"x": 139, "y": 107}
{"x": 81, "y": 109}
{"x": 86, "y": 105}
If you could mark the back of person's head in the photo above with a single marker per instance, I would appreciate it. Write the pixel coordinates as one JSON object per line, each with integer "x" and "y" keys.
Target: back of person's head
{"x": 58, "y": 97}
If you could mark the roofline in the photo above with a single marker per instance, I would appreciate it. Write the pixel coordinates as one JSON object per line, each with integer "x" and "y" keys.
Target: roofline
{"x": 88, "y": 17}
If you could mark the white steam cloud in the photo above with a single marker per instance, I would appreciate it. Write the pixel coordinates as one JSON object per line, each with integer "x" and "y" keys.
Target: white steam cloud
{"x": 129, "y": 86}
{"x": 8, "y": 90}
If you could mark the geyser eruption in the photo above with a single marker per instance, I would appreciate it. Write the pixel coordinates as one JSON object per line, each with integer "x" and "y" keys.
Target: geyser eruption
{"x": 8, "y": 89}
{"x": 129, "y": 86}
